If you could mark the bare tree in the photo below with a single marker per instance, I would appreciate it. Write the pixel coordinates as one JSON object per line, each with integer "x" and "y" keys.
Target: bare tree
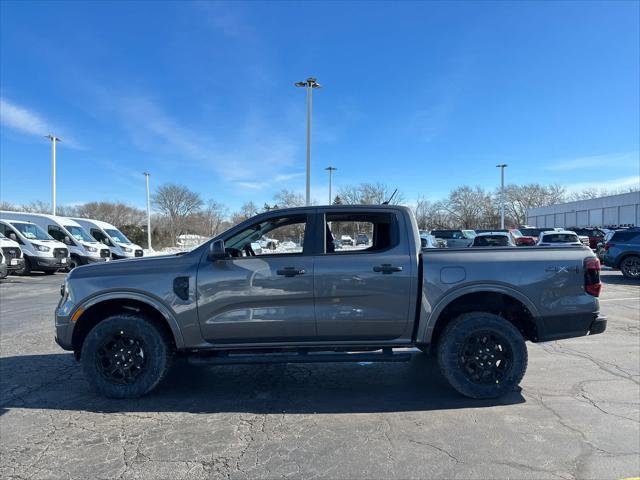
{"x": 247, "y": 210}
{"x": 520, "y": 198}
{"x": 176, "y": 202}
{"x": 8, "y": 206}
{"x": 369, "y": 194}
{"x": 467, "y": 206}
{"x": 214, "y": 214}
{"x": 115, "y": 213}
{"x": 287, "y": 198}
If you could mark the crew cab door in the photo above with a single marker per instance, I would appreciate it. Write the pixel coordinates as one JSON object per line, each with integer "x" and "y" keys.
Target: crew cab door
{"x": 262, "y": 293}
{"x": 363, "y": 292}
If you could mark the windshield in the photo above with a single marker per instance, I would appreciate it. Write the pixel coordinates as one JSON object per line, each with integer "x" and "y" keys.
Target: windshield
{"x": 117, "y": 235}
{"x": 469, "y": 233}
{"x": 516, "y": 233}
{"x": 79, "y": 233}
{"x": 31, "y": 231}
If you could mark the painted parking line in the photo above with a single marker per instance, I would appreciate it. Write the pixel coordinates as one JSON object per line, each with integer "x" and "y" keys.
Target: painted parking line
{"x": 619, "y": 299}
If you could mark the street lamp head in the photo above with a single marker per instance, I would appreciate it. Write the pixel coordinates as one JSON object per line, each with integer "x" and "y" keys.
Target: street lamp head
{"x": 331, "y": 169}
{"x": 502, "y": 165}
{"x": 300, "y": 84}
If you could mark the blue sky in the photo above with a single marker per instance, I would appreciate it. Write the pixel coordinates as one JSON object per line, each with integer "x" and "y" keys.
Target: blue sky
{"x": 421, "y": 96}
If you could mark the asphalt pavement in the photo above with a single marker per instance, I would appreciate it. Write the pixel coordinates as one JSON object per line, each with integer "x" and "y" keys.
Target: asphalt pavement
{"x": 577, "y": 414}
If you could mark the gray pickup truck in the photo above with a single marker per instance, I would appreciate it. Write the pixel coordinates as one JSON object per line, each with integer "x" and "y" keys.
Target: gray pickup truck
{"x": 313, "y": 300}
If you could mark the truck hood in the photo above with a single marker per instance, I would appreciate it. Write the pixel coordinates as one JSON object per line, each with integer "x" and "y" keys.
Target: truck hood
{"x": 128, "y": 266}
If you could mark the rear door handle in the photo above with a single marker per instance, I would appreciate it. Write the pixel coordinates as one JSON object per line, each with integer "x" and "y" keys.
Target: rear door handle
{"x": 386, "y": 269}
{"x": 290, "y": 271}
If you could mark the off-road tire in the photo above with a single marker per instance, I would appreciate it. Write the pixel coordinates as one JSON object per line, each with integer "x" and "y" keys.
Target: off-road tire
{"x": 153, "y": 342}
{"x": 630, "y": 267}
{"x": 454, "y": 362}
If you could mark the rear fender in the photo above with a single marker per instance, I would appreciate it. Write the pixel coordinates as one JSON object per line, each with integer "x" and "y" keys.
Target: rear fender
{"x": 429, "y": 316}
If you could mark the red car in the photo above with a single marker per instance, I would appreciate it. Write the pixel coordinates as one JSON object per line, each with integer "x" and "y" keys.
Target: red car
{"x": 595, "y": 235}
{"x": 520, "y": 239}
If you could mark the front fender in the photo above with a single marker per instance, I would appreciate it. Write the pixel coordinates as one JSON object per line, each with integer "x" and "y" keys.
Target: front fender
{"x": 429, "y": 314}
{"x": 153, "y": 302}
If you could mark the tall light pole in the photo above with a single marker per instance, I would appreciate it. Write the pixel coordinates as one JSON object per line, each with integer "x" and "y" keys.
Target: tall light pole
{"x": 502, "y": 166}
{"x": 54, "y": 140}
{"x": 330, "y": 170}
{"x": 146, "y": 174}
{"x": 309, "y": 84}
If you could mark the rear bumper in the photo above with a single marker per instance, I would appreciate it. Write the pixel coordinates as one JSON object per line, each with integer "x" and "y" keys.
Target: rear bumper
{"x": 569, "y": 326}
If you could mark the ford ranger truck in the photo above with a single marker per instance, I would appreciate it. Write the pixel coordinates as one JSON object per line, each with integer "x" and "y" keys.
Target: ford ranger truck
{"x": 223, "y": 303}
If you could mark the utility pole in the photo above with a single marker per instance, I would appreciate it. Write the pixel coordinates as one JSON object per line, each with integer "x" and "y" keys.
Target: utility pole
{"x": 502, "y": 166}
{"x": 146, "y": 174}
{"x": 53, "y": 139}
{"x": 309, "y": 84}
{"x": 330, "y": 170}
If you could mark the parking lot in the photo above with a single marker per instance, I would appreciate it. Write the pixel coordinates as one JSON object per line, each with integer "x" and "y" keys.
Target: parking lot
{"x": 577, "y": 415}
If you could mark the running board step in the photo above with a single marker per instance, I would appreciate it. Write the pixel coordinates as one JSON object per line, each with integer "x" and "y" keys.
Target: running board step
{"x": 246, "y": 359}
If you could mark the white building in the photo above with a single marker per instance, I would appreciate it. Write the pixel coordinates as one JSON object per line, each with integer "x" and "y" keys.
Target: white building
{"x": 614, "y": 210}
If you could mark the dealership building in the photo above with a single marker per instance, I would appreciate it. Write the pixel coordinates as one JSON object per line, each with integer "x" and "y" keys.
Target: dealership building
{"x": 615, "y": 210}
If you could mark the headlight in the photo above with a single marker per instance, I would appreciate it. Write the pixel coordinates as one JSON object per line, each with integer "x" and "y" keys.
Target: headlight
{"x": 40, "y": 248}
{"x": 90, "y": 249}
{"x": 127, "y": 249}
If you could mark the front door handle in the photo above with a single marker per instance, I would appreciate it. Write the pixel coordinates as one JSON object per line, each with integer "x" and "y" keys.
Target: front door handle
{"x": 386, "y": 269}
{"x": 290, "y": 271}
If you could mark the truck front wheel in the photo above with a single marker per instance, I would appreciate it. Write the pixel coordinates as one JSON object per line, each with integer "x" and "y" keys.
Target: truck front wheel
{"x": 482, "y": 355}
{"x": 125, "y": 356}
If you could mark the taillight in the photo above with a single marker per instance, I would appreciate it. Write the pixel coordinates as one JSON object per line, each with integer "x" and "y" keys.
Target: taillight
{"x": 608, "y": 245}
{"x": 592, "y": 283}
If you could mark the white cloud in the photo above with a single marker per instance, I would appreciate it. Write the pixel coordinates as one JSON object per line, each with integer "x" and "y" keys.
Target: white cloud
{"x": 25, "y": 121}
{"x": 606, "y": 185}
{"x": 627, "y": 159}
{"x": 19, "y": 118}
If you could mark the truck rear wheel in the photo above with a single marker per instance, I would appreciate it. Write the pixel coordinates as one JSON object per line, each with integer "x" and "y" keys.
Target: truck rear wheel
{"x": 482, "y": 355}
{"x": 125, "y": 356}
{"x": 26, "y": 267}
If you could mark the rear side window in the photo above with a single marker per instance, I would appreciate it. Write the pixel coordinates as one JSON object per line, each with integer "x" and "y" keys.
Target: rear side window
{"x": 360, "y": 232}
{"x": 631, "y": 237}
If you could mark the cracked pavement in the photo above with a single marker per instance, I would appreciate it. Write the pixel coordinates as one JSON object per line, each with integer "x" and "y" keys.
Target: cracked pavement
{"x": 577, "y": 415}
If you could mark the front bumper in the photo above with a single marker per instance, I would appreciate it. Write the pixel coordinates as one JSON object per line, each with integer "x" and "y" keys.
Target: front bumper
{"x": 49, "y": 263}
{"x": 88, "y": 260}
{"x": 64, "y": 327}
{"x": 18, "y": 265}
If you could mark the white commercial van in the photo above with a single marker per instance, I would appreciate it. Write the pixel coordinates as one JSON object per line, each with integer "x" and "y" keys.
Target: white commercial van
{"x": 41, "y": 252}
{"x": 83, "y": 248}
{"x": 12, "y": 254}
{"x": 120, "y": 245}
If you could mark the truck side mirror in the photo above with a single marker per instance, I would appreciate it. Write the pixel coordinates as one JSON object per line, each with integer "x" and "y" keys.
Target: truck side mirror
{"x": 424, "y": 243}
{"x": 13, "y": 237}
{"x": 217, "y": 250}
{"x": 67, "y": 240}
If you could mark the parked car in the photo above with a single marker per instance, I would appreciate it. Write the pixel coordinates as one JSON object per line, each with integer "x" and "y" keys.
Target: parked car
{"x": 493, "y": 239}
{"x": 362, "y": 239}
{"x": 520, "y": 239}
{"x": 623, "y": 251}
{"x": 83, "y": 248}
{"x": 118, "y": 243}
{"x": 595, "y": 235}
{"x": 429, "y": 241}
{"x": 455, "y": 238}
{"x": 12, "y": 254}
{"x": 40, "y": 251}
{"x": 4, "y": 271}
{"x": 532, "y": 232}
{"x": 562, "y": 238}
{"x": 219, "y": 304}
{"x": 346, "y": 240}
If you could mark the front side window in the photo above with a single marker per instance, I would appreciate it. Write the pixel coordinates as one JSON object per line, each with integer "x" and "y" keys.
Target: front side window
{"x": 274, "y": 236}
{"x": 360, "y": 232}
{"x": 56, "y": 233}
{"x": 100, "y": 237}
